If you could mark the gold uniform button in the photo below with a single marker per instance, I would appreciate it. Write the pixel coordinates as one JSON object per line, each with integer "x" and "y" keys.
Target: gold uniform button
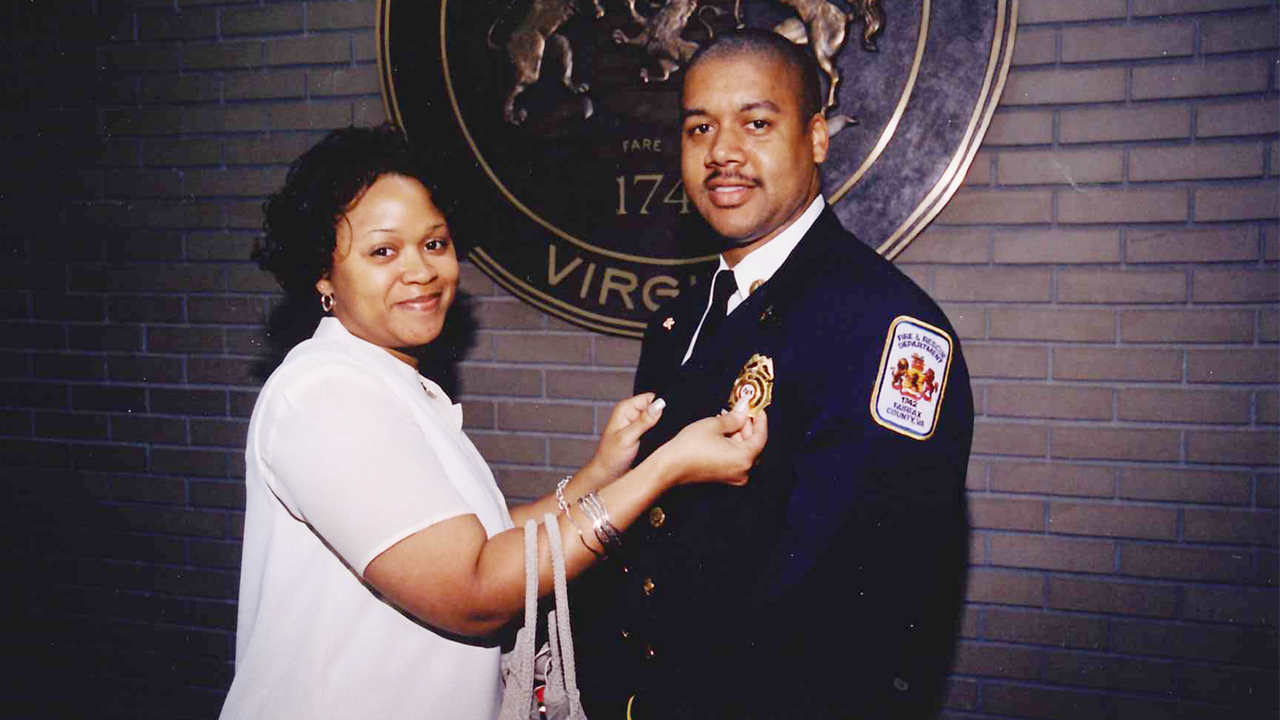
{"x": 648, "y": 586}
{"x": 657, "y": 517}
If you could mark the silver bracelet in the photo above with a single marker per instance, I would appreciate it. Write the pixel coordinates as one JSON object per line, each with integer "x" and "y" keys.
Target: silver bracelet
{"x": 564, "y": 508}
{"x": 593, "y": 507}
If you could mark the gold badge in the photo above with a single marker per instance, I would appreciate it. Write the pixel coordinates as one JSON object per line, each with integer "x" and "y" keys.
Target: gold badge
{"x": 755, "y": 383}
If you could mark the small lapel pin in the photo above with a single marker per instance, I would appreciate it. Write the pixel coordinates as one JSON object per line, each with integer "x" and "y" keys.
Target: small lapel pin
{"x": 766, "y": 316}
{"x": 754, "y": 285}
{"x": 669, "y": 323}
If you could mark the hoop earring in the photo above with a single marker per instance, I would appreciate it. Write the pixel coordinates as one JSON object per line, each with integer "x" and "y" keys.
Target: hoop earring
{"x": 326, "y": 303}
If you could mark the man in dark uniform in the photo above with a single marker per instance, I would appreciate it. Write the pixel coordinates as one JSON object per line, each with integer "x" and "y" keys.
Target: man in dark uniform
{"x": 830, "y": 585}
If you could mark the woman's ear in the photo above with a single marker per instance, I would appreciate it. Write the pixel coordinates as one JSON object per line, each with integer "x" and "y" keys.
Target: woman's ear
{"x": 324, "y": 287}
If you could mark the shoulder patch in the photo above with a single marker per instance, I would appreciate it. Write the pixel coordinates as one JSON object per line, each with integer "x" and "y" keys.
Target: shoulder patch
{"x": 912, "y": 379}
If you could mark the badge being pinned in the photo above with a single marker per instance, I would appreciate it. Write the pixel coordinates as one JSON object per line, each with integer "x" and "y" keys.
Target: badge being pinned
{"x": 913, "y": 376}
{"x": 755, "y": 383}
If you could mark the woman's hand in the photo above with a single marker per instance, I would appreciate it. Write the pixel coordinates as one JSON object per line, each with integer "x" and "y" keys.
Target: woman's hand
{"x": 716, "y": 449}
{"x": 620, "y": 440}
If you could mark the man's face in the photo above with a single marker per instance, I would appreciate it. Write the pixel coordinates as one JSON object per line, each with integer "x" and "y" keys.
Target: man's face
{"x": 748, "y": 157}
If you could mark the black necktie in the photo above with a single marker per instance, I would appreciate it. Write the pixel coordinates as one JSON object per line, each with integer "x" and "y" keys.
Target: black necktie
{"x": 722, "y": 286}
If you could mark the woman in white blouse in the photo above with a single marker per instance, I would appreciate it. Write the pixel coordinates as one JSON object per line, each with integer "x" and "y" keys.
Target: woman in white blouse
{"x": 380, "y": 557}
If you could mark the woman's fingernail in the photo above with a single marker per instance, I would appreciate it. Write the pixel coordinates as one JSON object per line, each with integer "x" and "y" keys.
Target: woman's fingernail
{"x": 655, "y": 407}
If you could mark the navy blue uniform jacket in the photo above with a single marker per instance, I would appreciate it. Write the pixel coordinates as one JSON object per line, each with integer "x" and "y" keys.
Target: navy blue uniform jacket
{"x": 830, "y": 585}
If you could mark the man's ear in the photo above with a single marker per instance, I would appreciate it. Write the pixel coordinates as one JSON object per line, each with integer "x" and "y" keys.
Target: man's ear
{"x": 820, "y": 137}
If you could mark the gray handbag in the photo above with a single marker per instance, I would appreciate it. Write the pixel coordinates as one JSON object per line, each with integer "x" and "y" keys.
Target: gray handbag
{"x": 551, "y": 667}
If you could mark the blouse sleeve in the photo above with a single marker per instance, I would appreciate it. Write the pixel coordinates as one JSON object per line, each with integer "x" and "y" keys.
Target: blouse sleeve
{"x": 346, "y": 456}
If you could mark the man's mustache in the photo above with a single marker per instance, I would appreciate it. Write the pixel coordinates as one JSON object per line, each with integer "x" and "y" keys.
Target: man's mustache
{"x": 730, "y": 175}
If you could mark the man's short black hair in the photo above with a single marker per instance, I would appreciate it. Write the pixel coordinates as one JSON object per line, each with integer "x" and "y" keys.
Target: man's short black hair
{"x": 767, "y": 43}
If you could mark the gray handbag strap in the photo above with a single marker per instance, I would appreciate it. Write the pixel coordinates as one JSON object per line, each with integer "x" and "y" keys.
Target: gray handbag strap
{"x": 559, "y": 619}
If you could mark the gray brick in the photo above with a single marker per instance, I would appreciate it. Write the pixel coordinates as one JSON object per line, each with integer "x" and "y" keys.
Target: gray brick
{"x": 314, "y": 49}
{"x": 364, "y": 47}
{"x": 1237, "y": 202}
{"x": 1146, "y": 8}
{"x": 972, "y": 284}
{"x": 266, "y": 85}
{"x": 1214, "y": 285}
{"x": 1213, "y": 77}
{"x": 171, "y": 152}
{"x": 361, "y": 80}
{"x": 1196, "y": 162}
{"x": 310, "y": 115}
{"x": 1110, "y": 124}
{"x": 1071, "y": 325}
{"x": 186, "y": 25}
{"x": 1035, "y": 46}
{"x": 341, "y": 15}
{"x": 1043, "y": 87}
{"x": 1123, "y": 42}
{"x": 222, "y": 56}
{"x": 180, "y": 88}
{"x": 246, "y": 181}
{"x": 1191, "y": 245}
{"x": 1040, "y": 11}
{"x": 1057, "y": 246}
{"x": 946, "y": 246}
{"x": 274, "y": 148}
{"x": 1019, "y": 128}
{"x": 226, "y": 118}
{"x": 368, "y": 112}
{"x": 257, "y": 21}
{"x": 1111, "y": 286}
{"x": 1190, "y": 326}
{"x": 1118, "y": 206}
{"x": 150, "y": 121}
{"x": 1007, "y": 207}
{"x": 1060, "y": 167}
{"x": 979, "y": 172}
{"x": 1242, "y": 32}
{"x": 220, "y": 246}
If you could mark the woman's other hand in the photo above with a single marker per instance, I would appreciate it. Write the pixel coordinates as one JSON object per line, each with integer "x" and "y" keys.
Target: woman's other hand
{"x": 717, "y": 449}
{"x": 620, "y": 440}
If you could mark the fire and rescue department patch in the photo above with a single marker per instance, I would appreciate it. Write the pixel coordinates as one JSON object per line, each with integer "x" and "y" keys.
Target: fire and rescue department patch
{"x": 912, "y": 378}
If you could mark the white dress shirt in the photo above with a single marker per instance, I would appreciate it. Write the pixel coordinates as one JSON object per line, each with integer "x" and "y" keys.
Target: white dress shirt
{"x": 760, "y": 264}
{"x": 350, "y": 451}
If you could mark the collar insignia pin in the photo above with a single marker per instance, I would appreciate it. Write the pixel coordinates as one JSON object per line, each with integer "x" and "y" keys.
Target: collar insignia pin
{"x": 669, "y": 323}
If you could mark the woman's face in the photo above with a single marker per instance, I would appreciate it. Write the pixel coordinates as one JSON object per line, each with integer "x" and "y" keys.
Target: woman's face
{"x": 395, "y": 272}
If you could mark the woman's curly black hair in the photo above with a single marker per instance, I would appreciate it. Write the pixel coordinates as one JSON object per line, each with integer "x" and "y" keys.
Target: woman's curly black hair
{"x": 301, "y": 219}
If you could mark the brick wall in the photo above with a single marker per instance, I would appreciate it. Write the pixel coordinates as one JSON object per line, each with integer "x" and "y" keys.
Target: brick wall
{"x": 1111, "y": 264}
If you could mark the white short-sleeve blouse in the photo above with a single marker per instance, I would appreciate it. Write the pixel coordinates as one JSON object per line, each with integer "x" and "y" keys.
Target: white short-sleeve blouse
{"x": 349, "y": 452}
